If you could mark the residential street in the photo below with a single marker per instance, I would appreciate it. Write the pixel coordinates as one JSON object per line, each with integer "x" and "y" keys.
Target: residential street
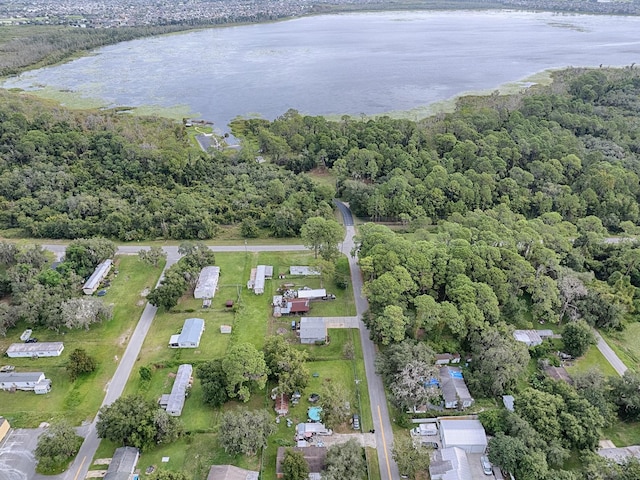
{"x": 381, "y": 422}
{"x": 609, "y": 354}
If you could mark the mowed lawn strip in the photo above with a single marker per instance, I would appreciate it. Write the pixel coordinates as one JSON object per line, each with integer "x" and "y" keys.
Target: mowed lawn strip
{"x": 79, "y": 401}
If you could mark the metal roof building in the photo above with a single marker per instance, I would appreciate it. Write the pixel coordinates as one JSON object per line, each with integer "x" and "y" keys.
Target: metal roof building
{"x": 303, "y": 270}
{"x": 262, "y": 273}
{"x": 207, "y": 282}
{"x": 190, "y": 335}
{"x": 35, "y": 350}
{"x": 467, "y": 434}
{"x": 96, "y": 277}
{"x": 174, "y": 402}
{"x": 530, "y": 337}
{"x": 312, "y": 330}
{"x": 312, "y": 294}
{"x": 123, "y": 463}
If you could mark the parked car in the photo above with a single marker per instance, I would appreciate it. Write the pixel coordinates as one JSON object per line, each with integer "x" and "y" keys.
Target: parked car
{"x": 356, "y": 421}
{"x": 433, "y": 445}
{"x": 31, "y": 340}
{"x": 7, "y": 368}
{"x": 101, "y": 293}
{"x": 487, "y": 468}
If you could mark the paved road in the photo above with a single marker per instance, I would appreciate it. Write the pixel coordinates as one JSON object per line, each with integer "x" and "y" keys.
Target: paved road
{"x": 381, "y": 422}
{"x": 610, "y": 355}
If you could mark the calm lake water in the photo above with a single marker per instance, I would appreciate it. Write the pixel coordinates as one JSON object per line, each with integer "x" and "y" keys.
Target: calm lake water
{"x": 340, "y": 64}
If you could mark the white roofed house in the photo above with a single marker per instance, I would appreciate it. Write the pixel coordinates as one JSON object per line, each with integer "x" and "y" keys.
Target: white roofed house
{"x": 207, "y": 282}
{"x": 531, "y": 338}
{"x": 469, "y": 435}
{"x": 35, "y": 350}
{"x": 26, "y": 381}
{"x": 174, "y": 402}
{"x": 101, "y": 271}
{"x": 190, "y": 335}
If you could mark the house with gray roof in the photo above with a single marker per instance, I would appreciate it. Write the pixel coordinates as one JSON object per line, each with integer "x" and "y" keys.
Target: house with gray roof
{"x": 174, "y": 402}
{"x": 99, "y": 274}
{"x": 207, "y": 282}
{"x": 123, "y": 464}
{"x": 189, "y": 336}
{"x": 454, "y": 389}
{"x": 26, "y": 381}
{"x": 450, "y": 464}
{"x": 531, "y": 338}
{"x": 313, "y": 330}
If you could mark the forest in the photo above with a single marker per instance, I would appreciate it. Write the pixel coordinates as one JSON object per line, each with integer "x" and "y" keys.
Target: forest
{"x": 71, "y": 174}
{"x": 508, "y": 213}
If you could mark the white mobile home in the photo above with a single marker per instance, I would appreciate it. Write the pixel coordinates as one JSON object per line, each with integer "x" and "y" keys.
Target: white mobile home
{"x": 35, "y": 350}
{"x": 190, "y": 335}
{"x": 27, "y": 381}
{"x": 312, "y": 294}
{"x": 531, "y": 338}
{"x": 207, "y": 282}
{"x": 174, "y": 402}
{"x": 101, "y": 271}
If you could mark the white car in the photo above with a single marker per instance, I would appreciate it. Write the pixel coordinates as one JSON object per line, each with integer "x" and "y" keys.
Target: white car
{"x": 487, "y": 468}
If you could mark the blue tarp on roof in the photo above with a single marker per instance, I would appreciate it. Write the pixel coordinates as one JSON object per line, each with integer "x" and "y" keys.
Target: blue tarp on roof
{"x": 455, "y": 374}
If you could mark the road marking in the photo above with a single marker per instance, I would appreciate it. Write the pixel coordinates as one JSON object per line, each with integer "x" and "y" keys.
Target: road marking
{"x": 384, "y": 444}
{"x": 79, "y": 468}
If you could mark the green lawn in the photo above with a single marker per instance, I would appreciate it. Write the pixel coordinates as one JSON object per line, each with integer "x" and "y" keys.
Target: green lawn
{"x": 623, "y": 434}
{"x": 593, "y": 359}
{"x": 252, "y": 322}
{"x": 625, "y": 344}
{"x": 80, "y": 400}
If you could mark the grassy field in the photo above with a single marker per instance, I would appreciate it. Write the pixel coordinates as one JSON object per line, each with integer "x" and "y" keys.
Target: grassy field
{"x": 593, "y": 359}
{"x": 623, "y": 434}
{"x": 625, "y": 344}
{"x": 251, "y": 321}
{"x": 79, "y": 401}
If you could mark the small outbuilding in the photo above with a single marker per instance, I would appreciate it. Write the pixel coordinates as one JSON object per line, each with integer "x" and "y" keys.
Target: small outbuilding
{"x": 230, "y": 472}
{"x": 123, "y": 464}
{"x": 26, "y": 381}
{"x": 207, "y": 282}
{"x": 99, "y": 274}
{"x": 529, "y": 337}
{"x": 303, "y": 271}
{"x": 313, "y": 330}
{"x": 467, "y": 434}
{"x": 190, "y": 335}
{"x": 447, "y": 358}
{"x": 35, "y": 350}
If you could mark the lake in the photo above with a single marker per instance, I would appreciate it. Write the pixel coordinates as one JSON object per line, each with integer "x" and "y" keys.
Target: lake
{"x": 362, "y": 63}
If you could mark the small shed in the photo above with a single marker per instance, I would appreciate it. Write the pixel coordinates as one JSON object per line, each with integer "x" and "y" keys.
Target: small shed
{"x": 509, "y": 402}
{"x": 99, "y": 274}
{"x": 207, "y": 282}
{"x": 467, "y": 434}
{"x": 313, "y": 330}
{"x": 35, "y": 350}
{"x": 447, "y": 358}
{"x": 282, "y": 404}
{"x": 225, "y": 328}
{"x": 123, "y": 463}
{"x": 529, "y": 337}
{"x": 190, "y": 335}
